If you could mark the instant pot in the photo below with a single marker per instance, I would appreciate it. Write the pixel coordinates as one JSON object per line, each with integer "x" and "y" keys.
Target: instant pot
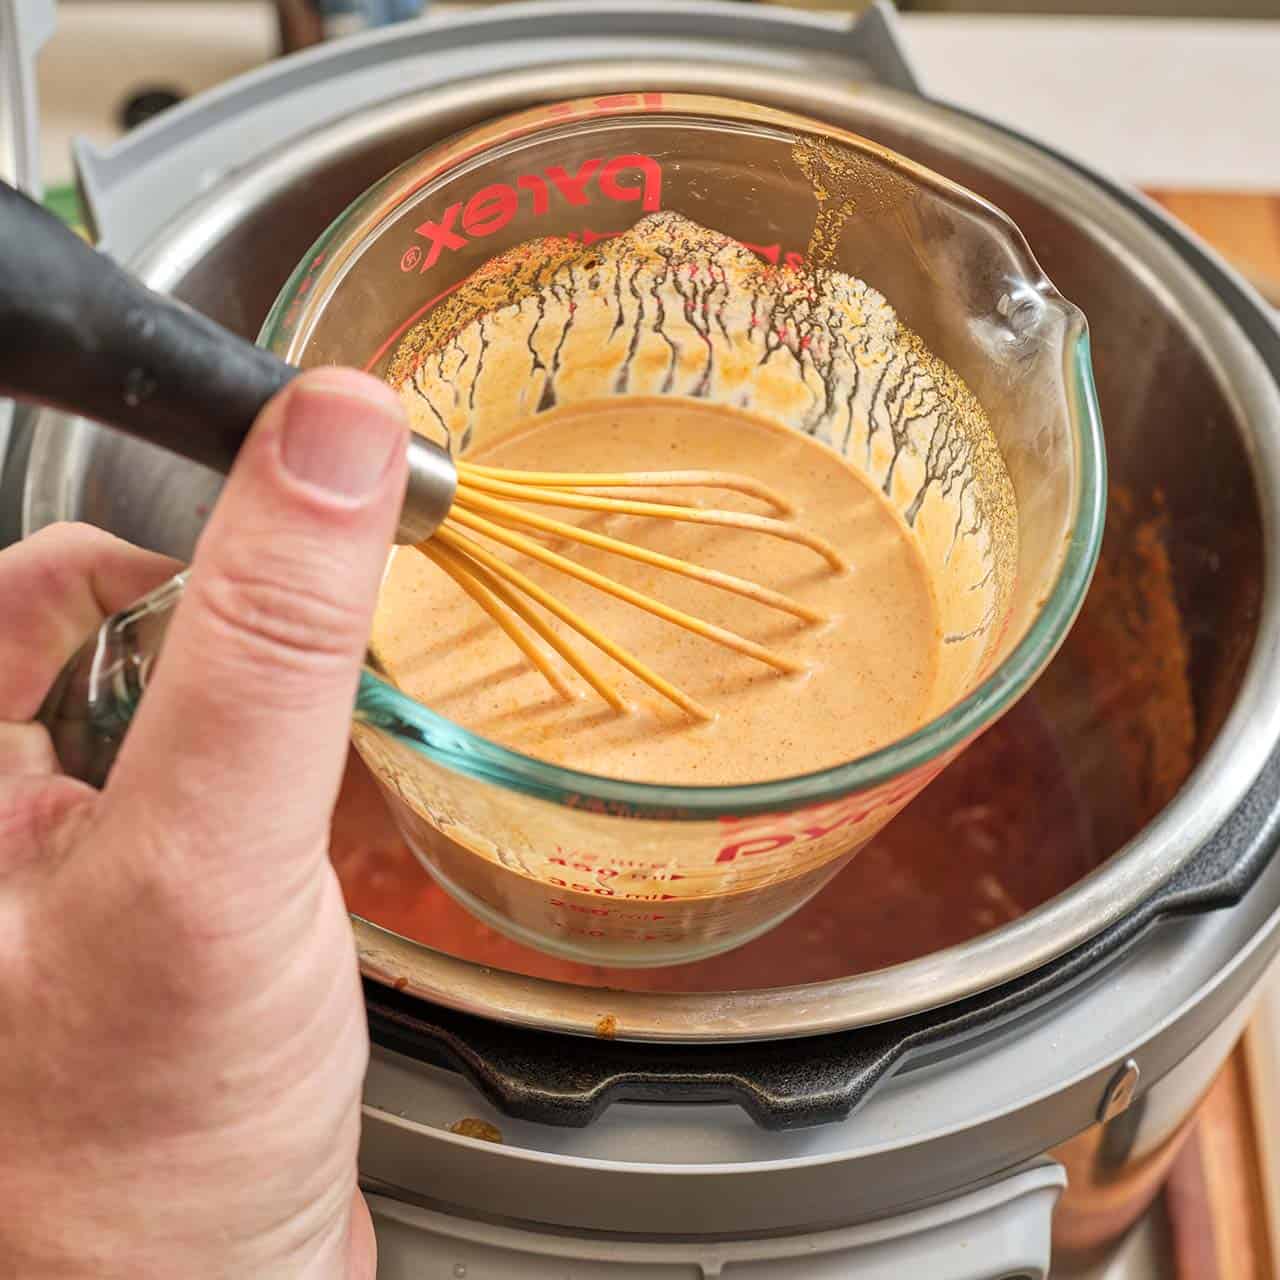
{"x": 933, "y": 1096}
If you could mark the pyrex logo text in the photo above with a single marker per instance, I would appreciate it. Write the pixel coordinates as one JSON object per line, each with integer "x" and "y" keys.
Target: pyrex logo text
{"x": 752, "y": 835}
{"x": 623, "y": 178}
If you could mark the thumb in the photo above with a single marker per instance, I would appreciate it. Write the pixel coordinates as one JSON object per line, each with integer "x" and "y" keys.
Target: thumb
{"x": 237, "y": 750}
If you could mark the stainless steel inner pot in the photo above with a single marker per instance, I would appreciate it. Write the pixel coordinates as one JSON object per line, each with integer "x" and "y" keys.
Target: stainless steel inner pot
{"x": 1191, "y": 410}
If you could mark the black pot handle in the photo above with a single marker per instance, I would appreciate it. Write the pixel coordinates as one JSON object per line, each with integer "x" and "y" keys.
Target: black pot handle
{"x": 789, "y": 1084}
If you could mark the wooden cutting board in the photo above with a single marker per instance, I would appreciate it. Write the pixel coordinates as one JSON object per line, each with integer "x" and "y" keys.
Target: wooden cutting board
{"x": 1244, "y": 228}
{"x": 1217, "y": 1191}
{"x": 1215, "y": 1195}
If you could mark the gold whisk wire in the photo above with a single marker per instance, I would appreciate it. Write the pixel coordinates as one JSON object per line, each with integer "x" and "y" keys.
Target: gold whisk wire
{"x": 506, "y": 513}
{"x": 485, "y": 507}
{"x": 469, "y": 566}
{"x": 665, "y": 511}
{"x": 727, "y": 480}
{"x": 482, "y": 592}
{"x": 501, "y": 569}
{"x": 554, "y": 560}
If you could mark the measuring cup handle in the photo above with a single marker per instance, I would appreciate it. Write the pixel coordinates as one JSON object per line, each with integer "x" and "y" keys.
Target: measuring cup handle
{"x": 91, "y": 703}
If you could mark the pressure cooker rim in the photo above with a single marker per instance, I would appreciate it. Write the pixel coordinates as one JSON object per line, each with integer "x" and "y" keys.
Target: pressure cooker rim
{"x": 1196, "y": 282}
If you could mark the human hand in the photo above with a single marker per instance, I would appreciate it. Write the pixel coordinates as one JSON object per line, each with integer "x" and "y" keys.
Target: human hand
{"x": 182, "y": 1035}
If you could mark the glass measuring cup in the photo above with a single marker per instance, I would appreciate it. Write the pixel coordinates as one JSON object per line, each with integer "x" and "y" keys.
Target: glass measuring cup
{"x": 620, "y": 873}
{"x": 613, "y": 872}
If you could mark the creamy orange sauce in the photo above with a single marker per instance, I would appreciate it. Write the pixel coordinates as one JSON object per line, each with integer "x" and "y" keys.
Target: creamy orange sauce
{"x": 870, "y": 667}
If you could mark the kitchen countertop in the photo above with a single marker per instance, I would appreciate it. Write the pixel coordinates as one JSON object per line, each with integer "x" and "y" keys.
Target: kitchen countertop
{"x": 1177, "y": 104}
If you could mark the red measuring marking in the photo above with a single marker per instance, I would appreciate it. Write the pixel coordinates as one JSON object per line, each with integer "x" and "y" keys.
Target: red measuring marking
{"x": 561, "y": 114}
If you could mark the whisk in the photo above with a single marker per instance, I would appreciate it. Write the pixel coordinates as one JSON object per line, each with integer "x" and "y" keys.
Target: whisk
{"x": 485, "y": 506}
{"x": 78, "y": 333}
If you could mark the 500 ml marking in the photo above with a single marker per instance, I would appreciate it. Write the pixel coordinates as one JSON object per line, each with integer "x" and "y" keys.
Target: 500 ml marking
{"x": 623, "y": 178}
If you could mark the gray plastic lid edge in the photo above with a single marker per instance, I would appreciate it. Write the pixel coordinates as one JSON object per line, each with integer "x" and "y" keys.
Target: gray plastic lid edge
{"x": 194, "y": 144}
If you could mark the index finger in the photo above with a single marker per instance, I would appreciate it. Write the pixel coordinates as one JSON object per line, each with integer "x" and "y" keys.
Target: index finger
{"x": 57, "y": 587}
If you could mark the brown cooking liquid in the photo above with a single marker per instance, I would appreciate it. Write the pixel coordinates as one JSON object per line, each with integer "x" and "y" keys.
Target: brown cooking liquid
{"x": 1066, "y": 776}
{"x": 869, "y": 667}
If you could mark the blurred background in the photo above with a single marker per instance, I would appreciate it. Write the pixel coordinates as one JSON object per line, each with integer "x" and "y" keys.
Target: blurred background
{"x": 1179, "y": 97}
{"x": 1125, "y": 8}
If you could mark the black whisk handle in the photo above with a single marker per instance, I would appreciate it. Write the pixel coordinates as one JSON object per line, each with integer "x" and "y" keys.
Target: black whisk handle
{"x": 78, "y": 333}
